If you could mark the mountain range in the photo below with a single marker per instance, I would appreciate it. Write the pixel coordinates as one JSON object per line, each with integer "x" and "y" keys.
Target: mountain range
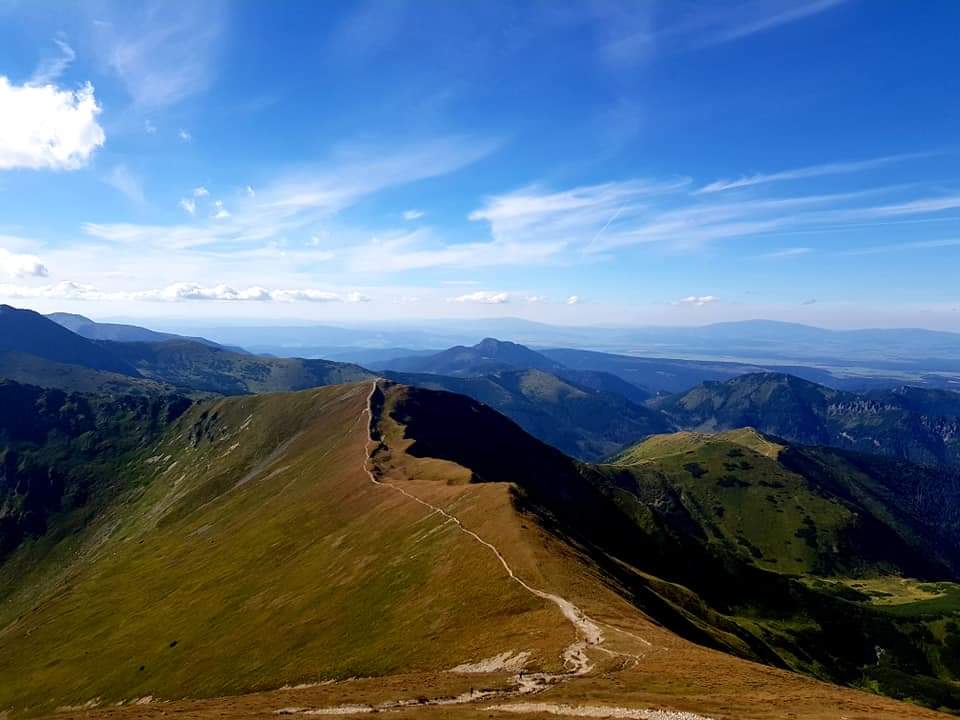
{"x": 591, "y": 410}
{"x": 252, "y": 554}
{"x": 896, "y": 355}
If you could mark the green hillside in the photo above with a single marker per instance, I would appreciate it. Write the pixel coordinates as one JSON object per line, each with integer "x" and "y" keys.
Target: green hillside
{"x": 213, "y": 369}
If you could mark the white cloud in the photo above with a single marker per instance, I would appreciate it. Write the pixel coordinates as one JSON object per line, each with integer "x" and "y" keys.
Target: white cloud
{"x": 21, "y": 265}
{"x": 177, "y": 292}
{"x": 573, "y": 300}
{"x": 555, "y": 221}
{"x": 52, "y": 68}
{"x": 221, "y": 214}
{"x": 184, "y": 136}
{"x": 122, "y": 179}
{"x": 200, "y": 191}
{"x": 697, "y": 300}
{"x": 638, "y": 32}
{"x": 250, "y": 191}
{"x": 484, "y": 298}
{"x": 788, "y": 252}
{"x": 66, "y": 290}
{"x": 306, "y": 296}
{"x": 162, "y": 53}
{"x": 293, "y": 203}
{"x": 409, "y": 215}
{"x": 536, "y": 299}
{"x": 149, "y": 128}
{"x": 838, "y": 168}
{"x": 189, "y": 205}
{"x": 913, "y": 245}
{"x": 43, "y": 127}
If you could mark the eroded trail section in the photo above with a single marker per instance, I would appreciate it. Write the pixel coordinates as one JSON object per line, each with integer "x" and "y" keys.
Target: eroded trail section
{"x": 597, "y": 711}
{"x": 588, "y": 632}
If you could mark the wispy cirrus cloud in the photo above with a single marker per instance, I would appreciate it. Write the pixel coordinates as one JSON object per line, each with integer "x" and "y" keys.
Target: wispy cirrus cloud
{"x": 51, "y": 68}
{"x": 810, "y": 171}
{"x": 127, "y": 182}
{"x": 788, "y": 253}
{"x": 597, "y": 220}
{"x": 295, "y": 201}
{"x": 162, "y": 53}
{"x": 905, "y": 246}
{"x": 639, "y": 33}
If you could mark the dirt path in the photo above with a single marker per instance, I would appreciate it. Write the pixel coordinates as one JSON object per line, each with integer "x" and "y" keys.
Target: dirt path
{"x": 588, "y": 632}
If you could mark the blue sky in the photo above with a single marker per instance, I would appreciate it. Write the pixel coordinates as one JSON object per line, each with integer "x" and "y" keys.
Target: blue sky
{"x": 596, "y": 162}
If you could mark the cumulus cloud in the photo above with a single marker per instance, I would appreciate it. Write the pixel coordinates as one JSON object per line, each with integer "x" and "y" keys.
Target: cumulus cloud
{"x": 149, "y": 128}
{"x": 413, "y": 215}
{"x": 573, "y": 300}
{"x": 66, "y": 290}
{"x": 484, "y": 297}
{"x": 250, "y": 191}
{"x": 184, "y": 136}
{"x": 189, "y": 205}
{"x": 306, "y": 296}
{"x": 44, "y": 127}
{"x": 697, "y": 300}
{"x": 200, "y": 191}
{"x": 18, "y": 265}
{"x": 176, "y": 292}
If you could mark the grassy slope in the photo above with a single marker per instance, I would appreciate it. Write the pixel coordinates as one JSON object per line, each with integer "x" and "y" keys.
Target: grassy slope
{"x": 34, "y": 370}
{"x": 190, "y": 364}
{"x": 307, "y": 570}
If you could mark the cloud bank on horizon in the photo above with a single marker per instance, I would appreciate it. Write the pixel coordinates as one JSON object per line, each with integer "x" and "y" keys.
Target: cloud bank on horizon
{"x": 611, "y": 162}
